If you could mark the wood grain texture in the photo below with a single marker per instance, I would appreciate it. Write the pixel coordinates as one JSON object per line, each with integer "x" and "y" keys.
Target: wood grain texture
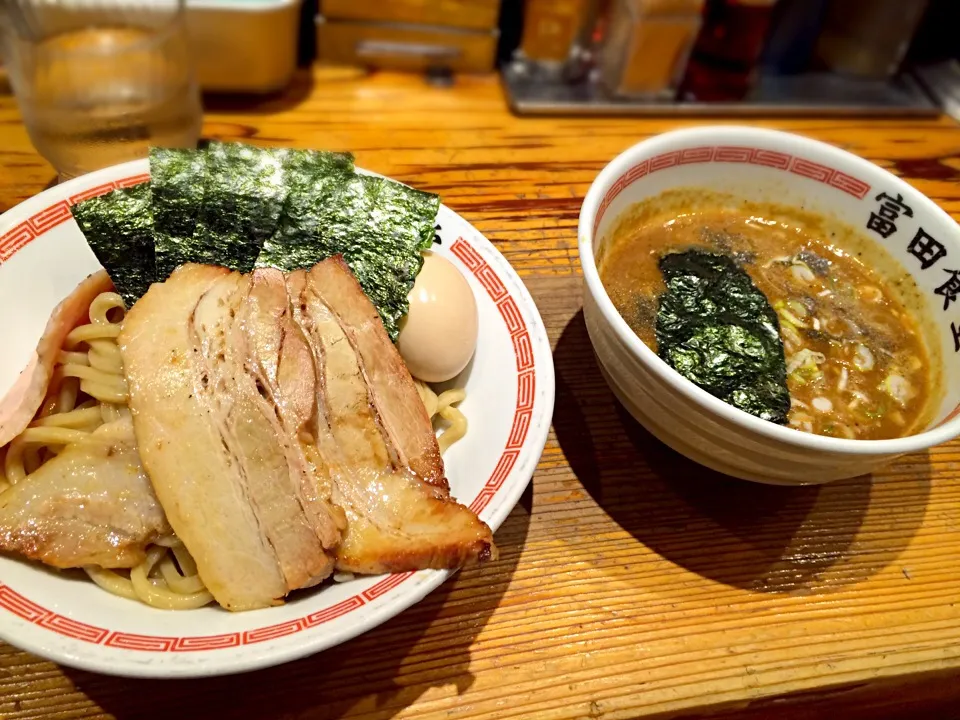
{"x": 632, "y": 583}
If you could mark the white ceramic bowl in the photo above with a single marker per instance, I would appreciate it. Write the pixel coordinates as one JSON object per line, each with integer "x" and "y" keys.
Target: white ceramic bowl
{"x": 763, "y": 166}
{"x": 64, "y": 617}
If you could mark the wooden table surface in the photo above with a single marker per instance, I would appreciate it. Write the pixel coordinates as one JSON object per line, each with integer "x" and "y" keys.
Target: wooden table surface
{"x": 632, "y": 583}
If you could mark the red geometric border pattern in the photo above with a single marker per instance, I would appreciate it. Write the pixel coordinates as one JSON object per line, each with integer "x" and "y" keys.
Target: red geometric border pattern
{"x": 526, "y": 378}
{"x": 93, "y": 192}
{"x": 12, "y": 240}
{"x": 131, "y": 181}
{"x": 734, "y": 154}
{"x": 23, "y": 234}
{"x": 28, "y": 610}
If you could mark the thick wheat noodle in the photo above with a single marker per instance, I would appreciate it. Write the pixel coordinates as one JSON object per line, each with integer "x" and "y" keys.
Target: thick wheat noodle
{"x": 90, "y": 332}
{"x": 109, "y": 413}
{"x": 180, "y": 583}
{"x": 90, "y": 363}
{"x": 72, "y": 419}
{"x": 167, "y": 578}
{"x": 173, "y": 591}
{"x": 31, "y": 459}
{"x": 51, "y": 435}
{"x": 67, "y": 396}
{"x": 188, "y": 566}
{"x": 105, "y": 355}
{"x": 72, "y": 356}
{"x": 143, "y": 588}
{"x": 159, "y": 593}
{"x": 442, "y": 405}
{"x": 112, "y": 582}
{"x": 456, "y": 430}
{"x": 86, "y": 372}
{"x": 105, "y": 393}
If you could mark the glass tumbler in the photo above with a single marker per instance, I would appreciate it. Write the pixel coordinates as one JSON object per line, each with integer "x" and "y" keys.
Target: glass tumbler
{"x": 100, "y": 83}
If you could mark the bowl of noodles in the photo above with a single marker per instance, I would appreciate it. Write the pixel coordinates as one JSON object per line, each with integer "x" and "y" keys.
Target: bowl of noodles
{"x": 772, "y": 307}
{"x": 79, "y": 481}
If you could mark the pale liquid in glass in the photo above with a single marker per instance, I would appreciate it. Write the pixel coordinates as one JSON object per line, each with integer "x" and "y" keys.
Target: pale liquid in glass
{"x": 88, "y": 110}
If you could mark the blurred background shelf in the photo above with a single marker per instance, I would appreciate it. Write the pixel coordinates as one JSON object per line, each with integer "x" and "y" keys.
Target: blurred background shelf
{"x": 606, "y": 57}
{"x": 534, "y": 91}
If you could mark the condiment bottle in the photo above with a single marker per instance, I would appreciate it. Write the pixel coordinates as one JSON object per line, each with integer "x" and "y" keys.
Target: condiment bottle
{"x": 725, "y": 60}
{"x": 647, "y": 46}
{"x": 869, "y": 38}
{"x": 793, "y": 36}
{"x": 550, "y": 28}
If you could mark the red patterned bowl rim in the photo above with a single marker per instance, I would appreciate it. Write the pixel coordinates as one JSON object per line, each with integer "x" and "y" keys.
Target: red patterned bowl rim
{"x": 745, "y": 145}
{"x": 14, "y": 602}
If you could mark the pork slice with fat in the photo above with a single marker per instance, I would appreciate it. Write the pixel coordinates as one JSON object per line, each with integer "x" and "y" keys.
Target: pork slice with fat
{"x": 197, "y": 477}
{"x": 23, "y": 399}
{"x": 396, "y": 521}
{"x": 90, "y": 505}
{"x": 401, "y": 412}
{"x": 284, "y": 371}
{"x": 271, "y": 469}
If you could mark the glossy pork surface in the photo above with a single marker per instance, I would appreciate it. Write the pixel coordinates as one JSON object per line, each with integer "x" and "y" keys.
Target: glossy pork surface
{"x": 283, "y": 434}
{"x": 90, "y": 505}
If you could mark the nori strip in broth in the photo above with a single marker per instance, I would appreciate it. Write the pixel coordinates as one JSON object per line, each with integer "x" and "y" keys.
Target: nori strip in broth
{"x": 119, "y": 228}
{"x": 177, "y": 180}
{"x": 243, "y": 195}
{"x": 718, "y": 330}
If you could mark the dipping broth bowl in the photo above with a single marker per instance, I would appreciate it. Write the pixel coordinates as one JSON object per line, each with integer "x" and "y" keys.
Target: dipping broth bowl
{"x": 767, "y": 166}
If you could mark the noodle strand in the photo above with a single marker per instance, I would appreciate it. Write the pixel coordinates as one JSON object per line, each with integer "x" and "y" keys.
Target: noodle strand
{"x": 443, "y": 406}
{"x": 87, "y": 402}
{"x": 90, "y": 365}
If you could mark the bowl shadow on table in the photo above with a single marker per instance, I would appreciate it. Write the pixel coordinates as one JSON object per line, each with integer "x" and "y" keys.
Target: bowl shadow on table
{"x": 376, "y": 675}
{"x": 796, "y": 540}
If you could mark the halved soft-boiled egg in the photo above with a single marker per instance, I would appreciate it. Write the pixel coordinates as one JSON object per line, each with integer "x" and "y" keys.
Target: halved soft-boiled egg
{"x": 439, "y": 334}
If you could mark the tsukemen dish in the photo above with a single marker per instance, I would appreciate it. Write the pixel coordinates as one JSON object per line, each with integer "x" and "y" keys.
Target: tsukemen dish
{"x": 789, "y": 316}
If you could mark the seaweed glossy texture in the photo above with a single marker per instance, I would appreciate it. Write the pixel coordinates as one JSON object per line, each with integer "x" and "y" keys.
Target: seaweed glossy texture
{"x": 379, "y": 227}
{"x": 118, "y": 227}
{"x": 243, "y": 194}
{"x": 177, "y": 182}
{"x": 313, "y": 179}
{"x": 239, "y": 206}
{"x": 718, "y": 330}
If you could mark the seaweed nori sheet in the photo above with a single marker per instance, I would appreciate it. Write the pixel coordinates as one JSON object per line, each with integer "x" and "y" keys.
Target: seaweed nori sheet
{"x": 313, "y": 178}
{"x": 176, "y": 178}
{"x": 379, "y": 226}
{"x": 240, "y": 206}
{"x": 718, "y": 330}
{"x": 119, "y": 228}
{"x": 243, "y": 194}
{"x": 386, "y": 257}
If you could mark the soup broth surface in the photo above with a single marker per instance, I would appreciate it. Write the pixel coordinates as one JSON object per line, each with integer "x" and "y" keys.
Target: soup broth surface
{"x": 857, "y": 363}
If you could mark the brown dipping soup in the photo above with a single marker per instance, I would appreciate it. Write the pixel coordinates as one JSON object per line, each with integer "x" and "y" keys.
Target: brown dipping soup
{"x": 857, "y": 361}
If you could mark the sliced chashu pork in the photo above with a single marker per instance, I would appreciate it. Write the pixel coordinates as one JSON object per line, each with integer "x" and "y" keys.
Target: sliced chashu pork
{"x": 280, "y": 363}
{"x": 295, "y": 520}
{"x": 90, "y": 505}
{"x": 399, "y": 408}
{"x": 373, "y": 451}
{"x": 219, "y": 461}
{"x": 23, "y": 399}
